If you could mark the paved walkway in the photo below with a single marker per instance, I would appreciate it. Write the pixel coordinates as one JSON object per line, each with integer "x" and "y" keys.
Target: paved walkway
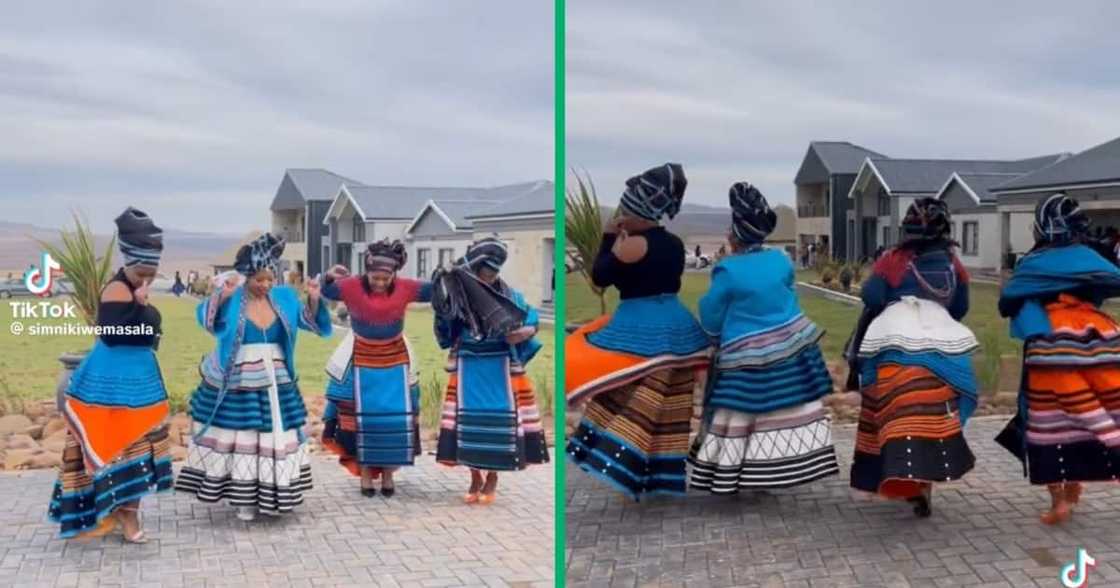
{"x": 422, "y": 536}
{"x": 984, "y": 532}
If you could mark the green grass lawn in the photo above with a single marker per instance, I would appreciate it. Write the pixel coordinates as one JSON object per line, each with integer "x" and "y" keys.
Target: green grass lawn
{"x": 29, "y": 366}
{"x": 837, "y": 319}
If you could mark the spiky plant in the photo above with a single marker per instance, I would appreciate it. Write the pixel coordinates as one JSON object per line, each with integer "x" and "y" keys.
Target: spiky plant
{"x": 80, "y": 263}
{"x": 583, "y": 226}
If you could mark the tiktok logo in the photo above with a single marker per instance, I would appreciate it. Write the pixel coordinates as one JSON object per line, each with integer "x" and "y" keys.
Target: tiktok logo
{"x": 1076, "y": 573}
{"x": 38, "y": 280}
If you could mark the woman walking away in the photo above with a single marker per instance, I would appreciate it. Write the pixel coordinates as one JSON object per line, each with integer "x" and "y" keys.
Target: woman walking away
{"x": 763, "y": 423}
{"x": 1067, "y": 431}
{"x": 634, "y": 371}
{"x": 249, "y": 444}
{"x": 117, "y": 446}
{"x": 914, "y": 364}
{"x": 373, "y": 404}
{"x": 490, "y": 421}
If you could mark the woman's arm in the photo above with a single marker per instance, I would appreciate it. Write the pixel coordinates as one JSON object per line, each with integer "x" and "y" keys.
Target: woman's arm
{"x": 605, "y": 267}
{"x": 313, "y": 315}
{"x": 714, "y": 303}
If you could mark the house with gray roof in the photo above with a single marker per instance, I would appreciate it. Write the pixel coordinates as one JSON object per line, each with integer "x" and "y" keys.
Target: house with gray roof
{"x": 526, "y": 223}
{"x": 885, "y": 187}
{"x": 1091, "y": 176}
{"x": 300, "y": 203}
{"x": 438, "y": 223}
{"x": 823, "y": 181}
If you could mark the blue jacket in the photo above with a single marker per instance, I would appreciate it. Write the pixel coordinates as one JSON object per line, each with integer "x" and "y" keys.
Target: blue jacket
{"x": 226, "y": 321}
{"x": 1043, "y": 274}
{"x": 749, "y": 292}
{"x": 936, "y": 268}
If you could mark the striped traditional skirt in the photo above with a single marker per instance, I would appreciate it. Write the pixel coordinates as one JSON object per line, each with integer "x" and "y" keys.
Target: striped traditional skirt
{"x": 490, "y": 419}
{"x": 634, "y": 373}
{"x": 81, "y": 499}
{"x": 1073, "y": 396}
{"x": 254, "y": 451}
{"x": 764, "y": 425}
{"x": 918, "y": 390}
{"x": 372, "y": 415}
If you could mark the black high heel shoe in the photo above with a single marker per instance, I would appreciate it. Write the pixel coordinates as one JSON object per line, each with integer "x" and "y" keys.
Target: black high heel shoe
{"x": 388, "y": 492}
{"x": 923, "y": 503}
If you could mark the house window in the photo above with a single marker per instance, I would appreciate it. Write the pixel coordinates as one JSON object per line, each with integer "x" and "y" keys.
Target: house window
{"x": 970, "y": 244}
{"x": 423, "y": 260}
{"x": 359, "y": 229}
{"x": 953, "y": 231}
{"x": 446, "y": 257}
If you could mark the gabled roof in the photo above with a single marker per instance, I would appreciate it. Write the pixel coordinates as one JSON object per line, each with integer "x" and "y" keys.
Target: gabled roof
{"x": 301, "y": 185}
{"x": 533, "y": 199}
{"x": 402, "y": 202}
{"x": 453, "y": 212}
{"x": 826, "y": 158}
{"x": 977, "y": 185}
{"x": 928, "y": 176}
{"x": 1096, "y": 165}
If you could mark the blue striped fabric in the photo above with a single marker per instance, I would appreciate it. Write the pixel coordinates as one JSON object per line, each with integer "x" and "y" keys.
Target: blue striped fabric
{"x": 651, "y": 326}
{"x": 386, "y": 417}
{"x": 790, "y": 382}
{"x": 243, "y": 410}
{"x": 955, "y": 370}
{"x": 112, "y": 486}
{"x": 120, "y": 375}
{"x": 487, "y": 417}
{"x": 611, "y": 459}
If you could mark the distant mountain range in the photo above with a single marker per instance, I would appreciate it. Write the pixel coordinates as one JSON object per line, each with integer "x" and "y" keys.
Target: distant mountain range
{"x": 699, "y": 220}
{"x": 183, "y": 250}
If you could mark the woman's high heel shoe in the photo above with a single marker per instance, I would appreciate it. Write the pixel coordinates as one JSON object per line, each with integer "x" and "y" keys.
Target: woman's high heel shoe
{"x": 139, "y": 537}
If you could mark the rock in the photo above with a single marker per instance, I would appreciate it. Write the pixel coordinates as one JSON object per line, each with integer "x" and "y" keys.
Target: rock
{"x": 34, "y": 411}
{"x": 53, "y": 426}
{"x": 18, "y": 459}
{"x": 178, "y": 453}
{"x": 34, "y": 431}
{"x": 45, "y": 460}
{"x": 14, "y": 423}
{"x": 54, "y": 444}
{"x": 21, "y": 441}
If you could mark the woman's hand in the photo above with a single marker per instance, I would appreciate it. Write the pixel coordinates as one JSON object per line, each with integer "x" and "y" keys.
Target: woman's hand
{"x": 314, "y": 289}
{"x": 629, "y": 249}
{"x": 337, "y": 271}
{"x": 141, "y": 293}
{"x": 520, "y": 335}
{"x": 228, "y": 287}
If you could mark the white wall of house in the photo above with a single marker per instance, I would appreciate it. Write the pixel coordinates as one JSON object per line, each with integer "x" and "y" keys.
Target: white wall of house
{"x": 987, "y": 248}
{"x": 458, "y": 247}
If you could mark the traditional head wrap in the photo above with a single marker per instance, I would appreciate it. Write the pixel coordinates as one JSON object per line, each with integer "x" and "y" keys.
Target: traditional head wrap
{"x": 926, "y": 218}
{"x": 655, "y": 193}
{"x": 751, "y": 217}
{"x": 385, "y": 255}
{"x": 489, "y": 252}
{"x": 139, "y": 239}
{"x": 262, "y": 253}
{"x": 1059, "y": 219}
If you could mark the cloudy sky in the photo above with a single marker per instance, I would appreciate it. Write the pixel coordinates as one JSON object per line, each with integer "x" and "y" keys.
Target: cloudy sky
{"x": 737, "y": 90}
{"x": 192, "y": 110}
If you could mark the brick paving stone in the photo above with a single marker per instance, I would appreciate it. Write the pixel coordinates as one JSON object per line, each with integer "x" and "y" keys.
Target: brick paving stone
{"x": 423, "y": 536}
{"x": 984, "y": 532}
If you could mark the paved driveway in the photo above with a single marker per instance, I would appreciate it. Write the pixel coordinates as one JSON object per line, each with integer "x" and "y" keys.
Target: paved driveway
{"x": 984, "y": 532}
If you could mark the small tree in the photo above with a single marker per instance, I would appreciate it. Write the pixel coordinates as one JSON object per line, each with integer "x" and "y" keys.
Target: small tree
{"x": 583, "y": 226}
{"x": 87, "y": 271}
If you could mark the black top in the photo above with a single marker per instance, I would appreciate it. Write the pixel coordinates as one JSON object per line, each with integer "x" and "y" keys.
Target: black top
{"x": 128, "y": 313}
{"x": 659, "y": 272}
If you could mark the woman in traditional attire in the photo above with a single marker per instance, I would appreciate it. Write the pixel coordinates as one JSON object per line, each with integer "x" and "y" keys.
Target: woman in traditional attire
{"x": 117, "y": 446}
{"x": 249, "y": 445}
{"x": 634, "y": 371}
{"x": 490, "y": 420}
{"x": 1067, "y": 430}
{"x": 912, "y": 359}
{"x": 373, "y": 402}
{"x": 763, "y": 423}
